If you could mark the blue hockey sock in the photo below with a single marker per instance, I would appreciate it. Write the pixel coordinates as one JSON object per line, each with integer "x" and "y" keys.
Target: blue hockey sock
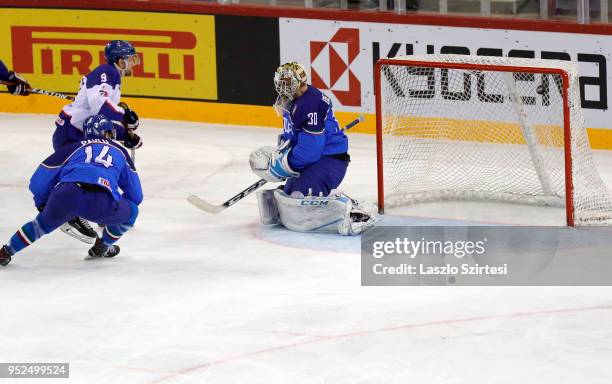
{"x": 112, "y": 233}
{"x": 26, "y": 235}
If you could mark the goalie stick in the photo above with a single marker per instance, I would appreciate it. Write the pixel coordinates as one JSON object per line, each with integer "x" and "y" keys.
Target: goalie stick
{"x": 214, "y": 209}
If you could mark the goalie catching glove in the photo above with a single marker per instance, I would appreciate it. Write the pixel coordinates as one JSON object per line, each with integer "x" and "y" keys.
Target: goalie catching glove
{"x": 271, "y": 164}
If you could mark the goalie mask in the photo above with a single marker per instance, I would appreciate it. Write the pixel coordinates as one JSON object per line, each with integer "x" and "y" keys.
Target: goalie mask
{"x": 288, "y": 78}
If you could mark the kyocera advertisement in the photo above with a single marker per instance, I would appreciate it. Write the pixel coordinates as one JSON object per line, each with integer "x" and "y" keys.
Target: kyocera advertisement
{"x": 53, "y": 49}
{"x": 340, "y": 56}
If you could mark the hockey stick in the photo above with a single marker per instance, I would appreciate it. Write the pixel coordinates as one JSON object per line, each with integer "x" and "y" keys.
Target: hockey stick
{"x": 41, "y": 91}
{"x": 214, "y": 209}
{"x": 51, "y": 93}
{"x": 61, "y": 96}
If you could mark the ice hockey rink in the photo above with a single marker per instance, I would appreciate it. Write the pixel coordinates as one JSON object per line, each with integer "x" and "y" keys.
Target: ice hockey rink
{"x": 198, "y": 298}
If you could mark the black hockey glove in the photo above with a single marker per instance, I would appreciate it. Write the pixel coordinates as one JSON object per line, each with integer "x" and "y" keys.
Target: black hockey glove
{"x": 132, "y": 140}
{"x": 130, "y": 118}
{"x": 21, "y": 86}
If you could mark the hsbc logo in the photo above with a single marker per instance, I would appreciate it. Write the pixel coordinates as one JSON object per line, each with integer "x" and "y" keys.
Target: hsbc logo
{"x": 330, "y": 66}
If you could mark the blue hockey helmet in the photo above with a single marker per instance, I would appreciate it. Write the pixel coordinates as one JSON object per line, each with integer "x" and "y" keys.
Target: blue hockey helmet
{"x": 118, "y": 49}
{"x": 97, "y": 126}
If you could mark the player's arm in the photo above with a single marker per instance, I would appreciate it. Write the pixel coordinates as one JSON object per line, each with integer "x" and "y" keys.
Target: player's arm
{"x": 310, "y": 143}
{"x": 276, "y": 165}
{"x": 41, "y": 183}
{"x": 130, "y": 124}
{"x": 131, "y": 187}
{"x": 47, "y": 174}
{"x": 129, "y": 182}
{"x": 18, "y": 85}
{"x": 100, "y": 85}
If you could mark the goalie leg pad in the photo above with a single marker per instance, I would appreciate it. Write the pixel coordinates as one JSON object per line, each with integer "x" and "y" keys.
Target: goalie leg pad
{"x": 320, "y": 214}
{"x": 268, "y": 210}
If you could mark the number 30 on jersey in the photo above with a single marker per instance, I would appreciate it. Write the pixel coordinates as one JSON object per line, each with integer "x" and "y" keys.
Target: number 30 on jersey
{"x": 312, "y": 118}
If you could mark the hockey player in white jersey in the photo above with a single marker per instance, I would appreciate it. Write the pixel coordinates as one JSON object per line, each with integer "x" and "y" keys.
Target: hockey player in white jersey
{"x": 99, "y": 94}
{"x": 313, "y": 160}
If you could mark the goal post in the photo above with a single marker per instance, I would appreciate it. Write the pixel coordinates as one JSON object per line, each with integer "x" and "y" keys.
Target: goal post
{"x": 458, "y": 127}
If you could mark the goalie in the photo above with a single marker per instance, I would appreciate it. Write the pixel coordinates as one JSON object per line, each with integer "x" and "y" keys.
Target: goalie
{"x": 312, "y": 157}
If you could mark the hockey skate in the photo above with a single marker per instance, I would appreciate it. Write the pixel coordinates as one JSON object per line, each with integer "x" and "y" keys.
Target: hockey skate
{"x": 80, "y": 229}
{"x": 5, "y": 256}
{"x": 102, "y": 250}
{"x": 359, "y": 221}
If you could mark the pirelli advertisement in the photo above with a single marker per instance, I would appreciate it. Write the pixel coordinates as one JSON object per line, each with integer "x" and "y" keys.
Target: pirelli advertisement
{"x": 55, "y": 48}
{"x": 180, "y": 60}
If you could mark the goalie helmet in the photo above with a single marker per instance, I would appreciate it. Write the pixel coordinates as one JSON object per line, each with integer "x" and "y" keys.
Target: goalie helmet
{"x": 288, "y": 78}
{"x": 97, "y": 127}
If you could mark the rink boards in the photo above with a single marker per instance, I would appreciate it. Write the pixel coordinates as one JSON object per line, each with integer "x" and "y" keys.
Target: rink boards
{"x": 204, "y": 62}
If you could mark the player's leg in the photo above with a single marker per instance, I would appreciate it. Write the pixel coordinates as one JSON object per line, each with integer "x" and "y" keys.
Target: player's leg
{"x": 319, "y": 178}
{"x": 305, "y": 204}
{"x": 66, "y": 134}
{"x": 335, "y": 213}
{"x": 58, "y": 209}
{"x": 5, "y": 256}
{"x": 80, "y": 229}
{"x": 118, "y": 218}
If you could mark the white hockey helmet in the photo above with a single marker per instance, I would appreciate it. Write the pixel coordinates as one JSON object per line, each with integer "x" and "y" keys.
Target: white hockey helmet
{"x": 288, "y": 78}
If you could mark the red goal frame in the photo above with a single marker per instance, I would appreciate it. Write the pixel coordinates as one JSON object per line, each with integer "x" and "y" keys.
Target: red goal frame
{"x": 569, "y": 188}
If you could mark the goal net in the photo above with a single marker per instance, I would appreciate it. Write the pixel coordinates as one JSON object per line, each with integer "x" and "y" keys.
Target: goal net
{"x": 453, "y": 127}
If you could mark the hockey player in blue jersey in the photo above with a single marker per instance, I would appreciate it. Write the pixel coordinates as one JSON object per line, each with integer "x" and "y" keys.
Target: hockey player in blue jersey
{"x": 83, "y": 179}
{"x": 312, "y": 158}
{"x": 16, "y": 84}
{"x": 99, "y": 93}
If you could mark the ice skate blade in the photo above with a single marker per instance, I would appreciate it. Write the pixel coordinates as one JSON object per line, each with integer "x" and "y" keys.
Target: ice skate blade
{"x": 67, "y": 229}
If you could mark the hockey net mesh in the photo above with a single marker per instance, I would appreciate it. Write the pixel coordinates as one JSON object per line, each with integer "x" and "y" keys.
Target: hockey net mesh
{"x": 486, "y": 134}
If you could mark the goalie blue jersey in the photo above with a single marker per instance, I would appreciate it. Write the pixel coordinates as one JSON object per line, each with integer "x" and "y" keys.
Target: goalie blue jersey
{"x": 310, "y": 125}
{"x": 97, "y": 162}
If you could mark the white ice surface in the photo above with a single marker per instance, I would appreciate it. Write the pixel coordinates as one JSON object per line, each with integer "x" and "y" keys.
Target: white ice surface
{"x": 195, "y": 298}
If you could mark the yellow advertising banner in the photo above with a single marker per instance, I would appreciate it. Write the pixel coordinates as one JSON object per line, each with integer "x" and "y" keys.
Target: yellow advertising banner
{"x": 53, "y": 49}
